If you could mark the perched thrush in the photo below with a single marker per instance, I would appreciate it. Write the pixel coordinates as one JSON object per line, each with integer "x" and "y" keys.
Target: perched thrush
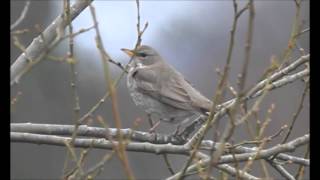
{"x": 160, "y": 89}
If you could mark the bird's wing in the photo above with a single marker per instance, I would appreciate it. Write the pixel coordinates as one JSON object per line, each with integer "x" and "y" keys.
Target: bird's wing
{"x": 173, "y": 92}
{"x": 178, "y": 85}
{"x": 160, "y": 85}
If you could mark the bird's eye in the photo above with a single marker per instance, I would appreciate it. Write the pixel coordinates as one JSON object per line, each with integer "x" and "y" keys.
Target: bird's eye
{"x": 142, "y": 54}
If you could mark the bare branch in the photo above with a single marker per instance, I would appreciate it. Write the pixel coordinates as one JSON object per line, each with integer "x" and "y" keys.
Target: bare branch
{"x": 281, "y": 170}
{"x": 279, "y": 74}
{"x": 257, "y": 90}
{"x": 32, "y": 55}
{"x": 302, "y": 32}
{"x": 296, "y": 114}
{"x": 139, "y": 136}
{"x": 285, "y": 80}
{"x": 248, "y": 45}
{"x": 288, "y": 147}
{"x": 74, "y": 87}
{"x": 100, "y": 143}
{"x": 197, "y": 138}
{"x": 96, "y": 132}
{"x": 283, "y": 157}
{"x": 301, "y": 169}
{"x": 22, "y": 16}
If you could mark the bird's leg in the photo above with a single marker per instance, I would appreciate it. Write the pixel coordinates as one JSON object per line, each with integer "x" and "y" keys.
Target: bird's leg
{"x": 153, "y": 126}
{"x": 152, "y": 129}
{"x": 176, "y": 132}
{"x": 150, "y": 120}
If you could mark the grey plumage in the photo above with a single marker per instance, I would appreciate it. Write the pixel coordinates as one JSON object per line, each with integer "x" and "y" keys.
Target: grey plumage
{"x": 160, "y": 89}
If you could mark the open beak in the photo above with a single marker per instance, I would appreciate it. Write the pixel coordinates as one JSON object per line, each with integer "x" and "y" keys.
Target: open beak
{"x": 129, "y": 52}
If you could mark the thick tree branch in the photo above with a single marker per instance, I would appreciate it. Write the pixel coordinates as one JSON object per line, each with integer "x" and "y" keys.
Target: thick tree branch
{"x": 99, "y": 143}
{"x": 128, "y": 134}
{"x": 32, "y": 54}
{"x": 102, "y": 143}
{"x": 96, "y": 132}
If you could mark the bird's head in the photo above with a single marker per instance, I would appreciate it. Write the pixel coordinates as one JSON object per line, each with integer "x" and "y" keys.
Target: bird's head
{"x": 144, "y": 54}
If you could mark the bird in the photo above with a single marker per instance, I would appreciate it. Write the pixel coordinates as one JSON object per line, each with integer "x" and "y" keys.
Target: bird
{"x": 161, "y": 90}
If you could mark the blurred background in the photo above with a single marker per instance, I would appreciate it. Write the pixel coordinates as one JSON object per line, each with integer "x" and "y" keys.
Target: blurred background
{"x": 192, "y": 36}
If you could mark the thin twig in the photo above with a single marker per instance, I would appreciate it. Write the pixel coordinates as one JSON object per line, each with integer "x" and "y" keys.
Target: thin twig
{"x": 165, "y": 156}
{"x": 71, "y": 151}
{"x": 96, "y": 169}
{"x": 73, "y": 82}
{"x": 20, "y": 31}
{"x": 259, "y": 137}
{"x": 92, "y": 172}
{"x": 256, "y": 90}
{"x": 256, "y": 142}
{"x": 168, "y": 164}
{"x": 105, "y": 61}
{"x": 302, "y": 32}
{"x": 296, "y": 26}
{"x": 281, "y": 170}
{"x": 290, "y": 146}
{"x": 15, "y": 99}
{"x": 296, "y": 114}
{"x": 276, "y": 75}
{"x": 248, "y": 44}
{"x": 301, "y": 168}
{"x": 195, "y": 142}
{"x": 22, "y": 16}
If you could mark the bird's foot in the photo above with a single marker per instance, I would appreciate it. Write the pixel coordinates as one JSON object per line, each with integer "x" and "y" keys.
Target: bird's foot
{"x": 176, "y": 137}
